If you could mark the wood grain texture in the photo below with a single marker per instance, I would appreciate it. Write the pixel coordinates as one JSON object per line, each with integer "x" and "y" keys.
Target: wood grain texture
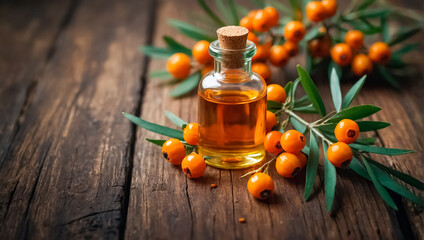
{"x": 67, "y": 169}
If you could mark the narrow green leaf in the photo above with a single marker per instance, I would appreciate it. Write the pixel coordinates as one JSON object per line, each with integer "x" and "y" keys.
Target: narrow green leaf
{"x": 365, "y": 4}
{"x": 357, "y": 167}
{"x": 356, "y": 112}
{"x": 312, "y": 166}
{"x": 161, "y": 74}
{"x": 186, "y": 85}
{"x": 365, "y": 126}
{"x": 313, "y": 33}
{"x": 380, "y": 150}
{"x": 295, "y": 6}
{"x": 332, "y": 65}
{"x": 380, "y": 189}
{"x": 366, "y": 141}
{"x": 288, "y": 87}
{"x": 385, "y": 29}
{"x": 309, "y": 63}
{"x": 311, "y": 90}
{"x": 241, "y": 10}
{"x": 353, "y": 92}
{"x": 405, "y": 49}
{"x": 156, "y": 142}
{"x": 335, "y": 90}
{"x": 391, "y": 184}
{"x": 279, "y": 6}
{"x": 310, "y": 109}
{"x": 156, "y": 52}
{"x": 403, "y": 34}
{"x": 367, "y": 13}
{"x": 190, "y": 30}
{"x": 153, "y": 127}
{"x": 211, "y": 13}
{"x": 224, "y": 10}
{"x": 330, "y": 179}
{"x": 365, "y": 26}
{"x": 176, "y": 46}
{"x": 297, "y": 125}
{"x": 400, "y": 175}
{"x": 387, "y": 76}
{"x": 234, "y": 13}
{"x": 302, "y": 101}
{"x": 272, "y": 105}
{"x": 175, "y": 119}
{"x": 258, "y": 3}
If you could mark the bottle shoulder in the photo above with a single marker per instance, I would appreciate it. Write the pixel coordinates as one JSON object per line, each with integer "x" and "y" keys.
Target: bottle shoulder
{"x": 218, "y": 81}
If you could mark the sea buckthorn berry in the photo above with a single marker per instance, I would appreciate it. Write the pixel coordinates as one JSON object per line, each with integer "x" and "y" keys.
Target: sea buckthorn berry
{"x": 246, "y": 22}
{"x": 302, "y": 157}
{"x": 361, "y": 65}
{"x": 207, "y": 69}
{"x": 201, "y": 52}
{"x": 174, "y": 151}
{"x": 339, "y": 154}
{"x": 262, "y": 53}
{"x": 315, "y": 11}
{"x": 294, "y": 31}
{"x": 341, "y": 54}
{"x": 292, "y": 48}
{"x": 276, "y": 93}
{"x": 252, "y": 13}
{"x": 272, "y": 142}
{"x": 193, "y": 165}
{"x": 380, "y": 53}
{"x": 330, "y": 7}
{"x": 347, "y": 131}
{"x": 179, "y": 65}
{"x": 191, "y": 133}
{"x": 293, "y": 141}
{"x": 252, "y": 37}
{"x": 263, "y": 70}
{"x": 260, "y": 185}
{"x": 260, "y": 22}
{"x": 279, "y": 56}
{"x": 320, "y": 47}
{"x": 355, "y": 39}
{"x": 271, "y": 120}
{"x": 288, "y": 165}
{"x": 272, "y": 16}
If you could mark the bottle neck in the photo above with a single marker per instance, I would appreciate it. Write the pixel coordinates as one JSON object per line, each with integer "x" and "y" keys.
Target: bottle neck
{"x": 221, "y": 69}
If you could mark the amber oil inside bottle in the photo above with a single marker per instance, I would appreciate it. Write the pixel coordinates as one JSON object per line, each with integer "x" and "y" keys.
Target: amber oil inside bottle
{"x": 232, "y": 108}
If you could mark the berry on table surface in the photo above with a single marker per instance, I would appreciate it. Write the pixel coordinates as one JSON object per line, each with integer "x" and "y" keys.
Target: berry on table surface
{"x": 272, "y": 142}
{"x": 174, "y": 151}
{"x": 260, "y": 185}
{"x": 191, "y": 133}
{"x": 193, "y": 165}
{"x": 179, "y": 65}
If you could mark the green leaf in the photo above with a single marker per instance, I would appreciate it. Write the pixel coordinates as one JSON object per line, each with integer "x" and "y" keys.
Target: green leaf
{"x": 312, "y": 166}
{"x": 391, "y": 184}
{"x": 335, "y": 90}
{"x": 273, "y": 106}
{"x": 288, "y": 87}
{"x": 311, "y": 90}
{"x": 365, "y": 126}
{"x": 380, "y": 150}
{"x": 365, "y": 26}
{"x": 353, "y": 92}
{"x": 403, "y": 34}
{"x": 153, "y": 127}
{"x": 297, "y": 125}
{"x": 279, "y": 6}
{"x": 156, "y": 52}
{"x": 310, "y": 109}
{"x": 258, "y": 3}
{"x": 332, "y": 65}
{"x": 156, "y": 142}
{"x": 366, "y": 141}
{"x": 295, "y": 6}
{"x": 353, "y": 113}
{"x": 400, "y": 175}
{"x": 385, "y": 29}
{"x": 367, "y": 13}
{"x": 175, "y": 119}
{"x": 209, "y": 12}
{"x": 405, "y": 49}
{"x": 241, "y": 10}
{"x": 176, "y": 46}
{"x": 313, "y": 33}
{"x": 224, "y": 10}
{"x": 234, "y": 13}
{"x": 357, "y": 167}
{"x": 330, "y": 179}
{"x": 302, "y": 101}
{"x": 161, "y": 74}
{"x": 190, "y": 30}
{"x": 186, "y": 85}
{"x": 380, "y": 189}
{"x": 365, "y": 4}
{"x": 309, "y": 63}
{"x": 387, "y": 76}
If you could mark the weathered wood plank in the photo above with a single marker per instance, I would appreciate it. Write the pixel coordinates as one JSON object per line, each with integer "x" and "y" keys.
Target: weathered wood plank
{"x": 65, "y": 175}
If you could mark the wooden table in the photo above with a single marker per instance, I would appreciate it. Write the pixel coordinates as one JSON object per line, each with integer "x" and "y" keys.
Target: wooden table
{"x": 72, "y": 167}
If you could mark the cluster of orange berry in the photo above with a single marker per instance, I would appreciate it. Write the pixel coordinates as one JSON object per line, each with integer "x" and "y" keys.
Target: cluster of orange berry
{"x": 339, "y": 153}
{"x": 174, "y": 151}
{"x": 262, "y": 20}
{"x": 179, "y": 65}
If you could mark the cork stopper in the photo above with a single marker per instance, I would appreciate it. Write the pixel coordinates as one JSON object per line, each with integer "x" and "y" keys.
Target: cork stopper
{"x": 232, "y": 38}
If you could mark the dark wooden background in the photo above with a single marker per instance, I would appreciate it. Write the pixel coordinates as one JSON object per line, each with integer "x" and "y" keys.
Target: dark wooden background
{"x": 72, "y": 167}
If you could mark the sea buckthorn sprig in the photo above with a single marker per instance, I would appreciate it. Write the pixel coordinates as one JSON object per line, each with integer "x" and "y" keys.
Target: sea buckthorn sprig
{"x": 339, "y": 133}
{"x": 354, "y": 40}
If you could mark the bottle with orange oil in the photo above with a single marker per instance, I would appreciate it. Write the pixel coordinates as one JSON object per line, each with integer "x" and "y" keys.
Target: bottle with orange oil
{"x": 232, "y": 104}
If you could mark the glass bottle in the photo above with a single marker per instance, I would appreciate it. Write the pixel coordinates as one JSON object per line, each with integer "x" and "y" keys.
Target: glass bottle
{"x": 232, "y": 109}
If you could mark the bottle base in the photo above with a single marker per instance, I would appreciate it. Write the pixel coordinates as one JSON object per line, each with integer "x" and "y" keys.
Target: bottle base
{"x": 232, "y": 160}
